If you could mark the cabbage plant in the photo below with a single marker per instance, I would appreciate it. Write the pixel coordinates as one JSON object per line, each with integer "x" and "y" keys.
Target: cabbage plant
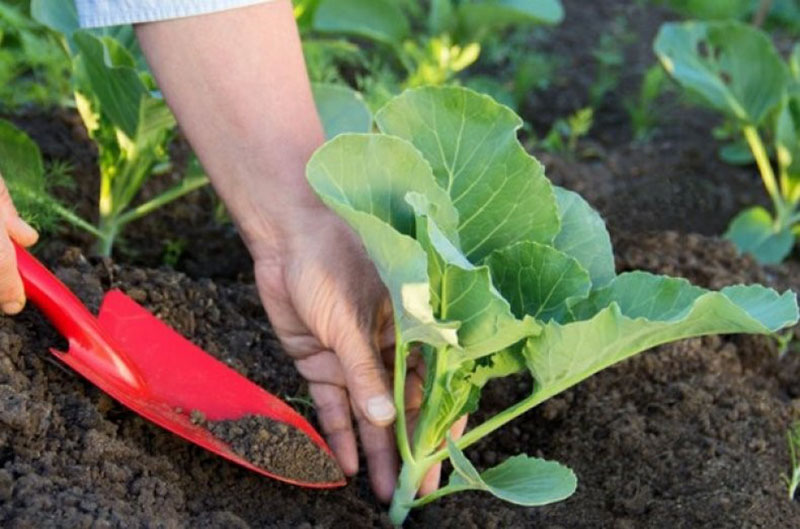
{"x": 735, "y": 69}
{"x": 494, "y": 271}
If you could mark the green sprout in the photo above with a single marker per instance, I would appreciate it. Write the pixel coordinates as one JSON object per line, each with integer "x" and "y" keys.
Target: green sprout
{"x": 793, "y": 437}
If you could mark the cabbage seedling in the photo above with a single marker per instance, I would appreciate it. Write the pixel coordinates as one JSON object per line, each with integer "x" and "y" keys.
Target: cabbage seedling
{"x": 494, "y": 271}
{"x": 736, "y": 70}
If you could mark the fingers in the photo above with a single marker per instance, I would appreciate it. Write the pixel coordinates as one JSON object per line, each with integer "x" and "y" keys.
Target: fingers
{"x": 379, "y": 448}
{"x": 323, "y": 367}
{"x": 367, "y": 381}
{"x": 432, "y": 479}
{"x": 333, "y": 410}
{"x": 12, "y": 294}
{"x": 18, "y": 229}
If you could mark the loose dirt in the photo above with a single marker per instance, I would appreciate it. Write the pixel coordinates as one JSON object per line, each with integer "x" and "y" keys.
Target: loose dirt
{"x": 277, "y": 448}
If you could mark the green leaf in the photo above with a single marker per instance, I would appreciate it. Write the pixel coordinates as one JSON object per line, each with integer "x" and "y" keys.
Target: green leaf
{"x": 584, "y": 236}
{"x": 637, "y": 311}
{"x": 441, "y": 16}
{"x": 499, "y": 190}
{"x": 20, "y": 158}
{"x": 538, "y": 279}
{"x": 464, "y": 293}
{"x": 753, "y": 231}
{"x": 712, "y": 9}
{"x": 22, "y": 169}
{"x": 379, "y": 20}
{"x": 501, "y": 364}
{"x": 117, "y": 86}
{"x": 365, "y": 178}
{"x": 60, "y": 15}
{"x": 520, "y": 479}
{"x": 373, "y": 174}
{"x": 478, "y": 17}
{"x": 341, "y": 109}
{"x": 734, "y": 67}
{"x": 736, "y": 153}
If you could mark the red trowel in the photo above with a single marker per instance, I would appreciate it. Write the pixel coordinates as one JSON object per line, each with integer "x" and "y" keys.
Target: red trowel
{"x": 138, "y": 360}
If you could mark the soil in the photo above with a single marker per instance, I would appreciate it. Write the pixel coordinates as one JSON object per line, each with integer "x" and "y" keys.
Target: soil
{"x": 689, "y": 435}
{"x": 277, "y": 448}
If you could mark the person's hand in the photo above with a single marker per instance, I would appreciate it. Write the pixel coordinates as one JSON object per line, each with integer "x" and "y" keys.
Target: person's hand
{"x": 12, "y": 227}
{"x": 333, "y": 316}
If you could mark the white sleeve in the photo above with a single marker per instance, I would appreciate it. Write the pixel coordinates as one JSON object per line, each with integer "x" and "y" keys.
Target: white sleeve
{"x": 96, "y": 13}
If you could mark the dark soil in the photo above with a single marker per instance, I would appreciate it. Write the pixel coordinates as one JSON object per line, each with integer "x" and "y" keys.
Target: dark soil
{"x": 688, "y": 435}
{"x": 277, "y": 448}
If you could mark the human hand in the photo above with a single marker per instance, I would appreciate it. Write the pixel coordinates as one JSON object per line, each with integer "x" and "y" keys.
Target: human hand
{"x": 334, "y": 317}
{"x": 12, "y": 227}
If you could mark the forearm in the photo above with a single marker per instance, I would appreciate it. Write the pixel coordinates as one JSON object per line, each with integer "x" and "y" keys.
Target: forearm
{"x": 237, "y": 83}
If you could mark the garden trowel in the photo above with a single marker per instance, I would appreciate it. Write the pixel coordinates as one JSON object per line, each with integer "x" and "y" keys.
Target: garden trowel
{"x": 141, "y": 362}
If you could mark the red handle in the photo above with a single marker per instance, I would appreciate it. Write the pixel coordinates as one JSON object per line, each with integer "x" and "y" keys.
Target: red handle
{"x": 74, "y": 321}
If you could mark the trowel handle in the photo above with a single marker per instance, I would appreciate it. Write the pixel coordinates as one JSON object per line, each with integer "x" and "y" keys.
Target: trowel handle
{"x": 63, "y": 308}
{"x": 88, "y": 342}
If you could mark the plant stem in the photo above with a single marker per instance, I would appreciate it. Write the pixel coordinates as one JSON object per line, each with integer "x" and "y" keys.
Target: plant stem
{"x": 174, "y": 193}
{"x": 407, "y": 485}
{"x": 108, "y": 233}
{"x": 765, "y": 168}
{"x": 75, "y": 220}
{"x": 401, "y": 431}
{"x": 760, "y": 15}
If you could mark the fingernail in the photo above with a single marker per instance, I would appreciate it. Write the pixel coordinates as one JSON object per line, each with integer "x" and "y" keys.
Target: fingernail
{"x": 380, "y": 409}
{"x": 12, "y": 307}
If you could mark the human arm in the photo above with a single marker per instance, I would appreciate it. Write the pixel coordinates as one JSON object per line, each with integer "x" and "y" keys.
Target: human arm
{"x": 237, "y": 84}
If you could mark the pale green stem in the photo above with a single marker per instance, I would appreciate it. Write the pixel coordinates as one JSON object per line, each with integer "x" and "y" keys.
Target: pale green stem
{"x": 174, "y": 193}
{"x": 400, "y": 353}
{"x": 439, "y": 493}
{"x": 75, "y": 220}
{"x": 765, "y": 168}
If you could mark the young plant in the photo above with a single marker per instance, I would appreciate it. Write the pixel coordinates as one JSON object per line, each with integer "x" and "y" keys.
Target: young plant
{"x": 793, "y": 437}
{"x": 494, "y": 271}
{"x": 566, "y": 132}
{"x": 642, "y": 109}
{"x": 449, "y": 43}
{"x": 736, "y": 70}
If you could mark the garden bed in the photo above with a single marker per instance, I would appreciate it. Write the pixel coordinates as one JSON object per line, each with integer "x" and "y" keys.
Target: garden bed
{"x": 687, "y": 435}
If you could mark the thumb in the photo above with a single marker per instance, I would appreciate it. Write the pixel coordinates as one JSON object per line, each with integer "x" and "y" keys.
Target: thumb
{"x": 367, "y": 380}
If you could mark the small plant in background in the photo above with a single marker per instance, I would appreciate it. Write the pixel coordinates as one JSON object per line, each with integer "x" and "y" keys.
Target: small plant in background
{"x": 735, "y": 69}
{"x": 412, "y": 45}
{"x": 793, "y": 479}
{"x": 493, "y": 271}
{"x": 642, "y": 109}
{"x": 566, "y": 132}
{"x": 609, "y": 58}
